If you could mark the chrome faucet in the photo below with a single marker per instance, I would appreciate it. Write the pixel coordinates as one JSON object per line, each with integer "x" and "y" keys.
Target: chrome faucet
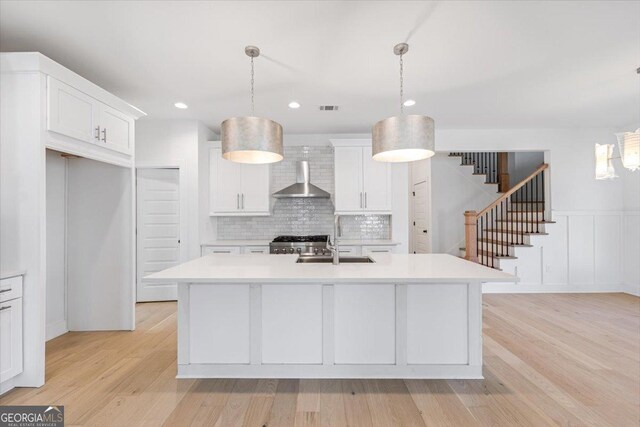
{"x": 334, "y": 248}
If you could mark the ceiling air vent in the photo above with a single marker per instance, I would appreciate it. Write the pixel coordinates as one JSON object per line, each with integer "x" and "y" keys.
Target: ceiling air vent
{"x": 329, "y": 108}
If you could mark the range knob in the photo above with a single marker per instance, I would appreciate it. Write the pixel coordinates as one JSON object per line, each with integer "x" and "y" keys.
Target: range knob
{"x": 290, "y": 250}
{"x": 276, "y": 251}
{"x": 315, "y": 251}
{"x": 299, "y": 250}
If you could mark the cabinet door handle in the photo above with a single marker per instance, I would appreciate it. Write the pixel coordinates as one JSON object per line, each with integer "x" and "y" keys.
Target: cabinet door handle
{"x": 97, "y": 133}
{"x": 361, "y": 200}
{"x": 5, "y": 290}
{"x": 5, "y": 307}
{"x": 242, "y": 200}
{"x": 104, "y": 135}
{"x": 365, "y": 199}
{"x": 238, "y": 201}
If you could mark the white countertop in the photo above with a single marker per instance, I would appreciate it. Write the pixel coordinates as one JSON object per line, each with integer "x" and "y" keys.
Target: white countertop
{"x": 395, "y": 268}
{"x": 5, "y": 274}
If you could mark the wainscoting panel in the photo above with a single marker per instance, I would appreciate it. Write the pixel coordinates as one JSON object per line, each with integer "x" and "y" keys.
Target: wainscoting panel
{"x": 608, "y": 251}
{"x": 585, "y": 251}
{"x": 581, "y": 249}
{"x": 555, "y": 253}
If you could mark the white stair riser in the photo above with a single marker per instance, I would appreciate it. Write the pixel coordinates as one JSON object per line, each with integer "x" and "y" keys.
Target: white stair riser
{"x": 526, "y": 206}
{"x": 527, "y": 216}
{"x": 528, "y": 227}
{"x": 489, "y": 261}
{"x": 496, "y": 248}
{"x": 506, "y": 237}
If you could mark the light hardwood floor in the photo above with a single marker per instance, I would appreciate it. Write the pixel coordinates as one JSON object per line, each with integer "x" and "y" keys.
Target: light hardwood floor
{"x": 551, "y": 359}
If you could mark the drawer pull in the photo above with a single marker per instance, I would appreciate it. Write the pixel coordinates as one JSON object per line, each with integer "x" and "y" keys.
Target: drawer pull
{"x": 5, "y": 290}
{"x": 5, "y": 307}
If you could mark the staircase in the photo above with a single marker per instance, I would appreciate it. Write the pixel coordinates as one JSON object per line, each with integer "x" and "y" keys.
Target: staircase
{"x": 491, "y": 164}
{"x": 520, "y": 212}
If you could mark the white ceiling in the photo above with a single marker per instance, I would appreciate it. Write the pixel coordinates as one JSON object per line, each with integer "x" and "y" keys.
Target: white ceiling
{"x": 501, "y": 64}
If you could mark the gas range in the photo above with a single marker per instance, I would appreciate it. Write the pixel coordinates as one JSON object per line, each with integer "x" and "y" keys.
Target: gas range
{"x": 302, "y": 245}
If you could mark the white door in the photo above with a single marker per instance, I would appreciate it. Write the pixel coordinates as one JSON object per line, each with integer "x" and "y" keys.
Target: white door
{"x": 158, "y": 230}
{"x": 376, "y": 179}
{"x": 420, "y": 218}
{"x": 349, "y": 196}
{"x": 225, "y": 183}
{"x": 254, "y": 192}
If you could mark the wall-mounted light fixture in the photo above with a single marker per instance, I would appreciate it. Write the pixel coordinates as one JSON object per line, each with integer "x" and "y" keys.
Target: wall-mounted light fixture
{"x": 629, "y": 146}
{"x": 604, "y": 167}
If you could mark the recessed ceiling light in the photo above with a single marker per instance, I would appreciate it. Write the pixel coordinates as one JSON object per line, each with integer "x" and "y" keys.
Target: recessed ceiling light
{"x": 409, "y": 103}
{"x": 294, "y": 104}
{"x": 181, "y": 105}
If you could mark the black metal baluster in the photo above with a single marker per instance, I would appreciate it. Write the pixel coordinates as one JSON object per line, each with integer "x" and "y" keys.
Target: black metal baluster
{"x": 537, "y": 212}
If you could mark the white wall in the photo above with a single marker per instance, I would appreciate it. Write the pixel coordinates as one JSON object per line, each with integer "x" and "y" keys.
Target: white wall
{"x": 176, "y": 143}
{"x": 56, "y": 313}
{"x": 583, "y": 251}
{"x": 100, "y": 247}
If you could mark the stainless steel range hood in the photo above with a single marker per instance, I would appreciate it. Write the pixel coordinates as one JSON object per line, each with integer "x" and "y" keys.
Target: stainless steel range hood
{"x": 302, "y": 187}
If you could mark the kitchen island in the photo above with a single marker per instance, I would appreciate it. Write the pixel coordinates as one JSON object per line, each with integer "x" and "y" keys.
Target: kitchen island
{"x": 267, "y": 316}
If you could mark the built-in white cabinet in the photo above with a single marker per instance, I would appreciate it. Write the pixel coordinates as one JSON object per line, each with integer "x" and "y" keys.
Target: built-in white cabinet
{"x": 237, "y": 189}
{"x": 349, "y": 250}
{"x": 255, "y": 249}
{"x": 10, "y": 328}
{"x": 365, "y": 324}
{"x": 221, "y": 250}
{"x": 291, "y": 324}
{"x": 375, "y": 249}
{"x": 362, "y": 185}
{"x": 219, "y": 319}
{"x": 73, "y": 113}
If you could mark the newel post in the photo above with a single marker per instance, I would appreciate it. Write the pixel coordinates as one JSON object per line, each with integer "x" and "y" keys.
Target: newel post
{"x": 471, "y": 235}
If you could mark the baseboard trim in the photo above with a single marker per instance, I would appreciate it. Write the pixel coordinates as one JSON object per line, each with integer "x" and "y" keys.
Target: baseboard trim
{"x": 538, "y": 288}
{"x": 56, "y": 329}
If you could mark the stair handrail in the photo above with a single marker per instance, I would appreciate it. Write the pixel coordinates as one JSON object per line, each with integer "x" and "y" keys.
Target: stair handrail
{"x": 513, "y": 189}
{"x": 471, "y": 217}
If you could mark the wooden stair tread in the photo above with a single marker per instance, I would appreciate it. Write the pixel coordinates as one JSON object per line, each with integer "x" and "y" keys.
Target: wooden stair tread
{"x": 495, "y": 255}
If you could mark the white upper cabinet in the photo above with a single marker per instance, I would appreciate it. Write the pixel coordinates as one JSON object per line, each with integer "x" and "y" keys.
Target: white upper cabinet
{"x": 348, "y": 179}
{"x": 237, "y": 189}
{"x": 71, "y": 112}
{"x": 362, "y": 185}
{"x": 77, "y": 115}
{"x": 116, "y": 129}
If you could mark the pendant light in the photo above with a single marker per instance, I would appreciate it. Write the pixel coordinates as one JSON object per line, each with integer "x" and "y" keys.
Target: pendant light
{"x": 403, "y": 138}
{"x": 251, "y": 139}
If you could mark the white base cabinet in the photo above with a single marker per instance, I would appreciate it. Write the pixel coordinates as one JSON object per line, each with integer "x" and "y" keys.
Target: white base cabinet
{"x": 10, "y": 329}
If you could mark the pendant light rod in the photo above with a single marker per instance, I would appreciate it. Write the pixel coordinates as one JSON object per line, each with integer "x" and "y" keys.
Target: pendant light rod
{"x": 252, "y": 52}
{"x": 400, "y": 49}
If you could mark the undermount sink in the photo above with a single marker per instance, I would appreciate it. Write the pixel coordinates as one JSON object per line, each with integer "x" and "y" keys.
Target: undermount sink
{"x": 328, "y": 260}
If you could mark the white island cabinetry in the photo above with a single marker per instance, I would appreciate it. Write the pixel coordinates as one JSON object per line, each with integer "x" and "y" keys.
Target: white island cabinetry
{"x": 404, "y": 316}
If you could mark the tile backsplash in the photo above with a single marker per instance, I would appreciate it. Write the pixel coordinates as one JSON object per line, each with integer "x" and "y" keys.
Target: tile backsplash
{"x": 303, "y": 216}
